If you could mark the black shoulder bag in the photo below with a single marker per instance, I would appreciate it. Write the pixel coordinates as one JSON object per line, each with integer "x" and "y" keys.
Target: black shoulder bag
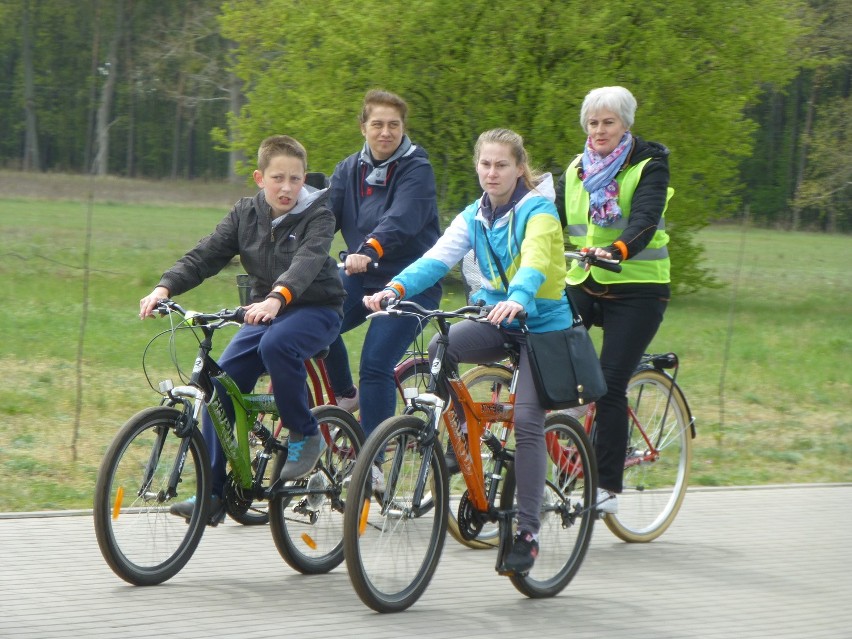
{"x": 565, "y": 367}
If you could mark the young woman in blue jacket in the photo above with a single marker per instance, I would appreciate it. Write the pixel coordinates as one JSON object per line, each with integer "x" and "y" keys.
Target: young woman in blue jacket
{"x": 516, "y": 216}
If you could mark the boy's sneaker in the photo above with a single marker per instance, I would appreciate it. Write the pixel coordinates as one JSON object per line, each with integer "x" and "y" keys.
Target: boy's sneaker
{"x": 303, "y": 453}
{"x": 185, "y": 509}
{"x": 607, "y": 501}
{"x": 451, "y": 459}
{"x": 349, "y": 404}
{"x": 524, "y": 551}
{"x": 378, "y": 479}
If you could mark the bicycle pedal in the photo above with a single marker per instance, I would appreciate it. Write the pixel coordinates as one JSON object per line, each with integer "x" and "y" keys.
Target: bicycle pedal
{"x": 507, "y": 572}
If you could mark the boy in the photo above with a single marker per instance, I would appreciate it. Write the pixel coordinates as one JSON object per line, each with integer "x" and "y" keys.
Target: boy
{"x": 283, "y": 237}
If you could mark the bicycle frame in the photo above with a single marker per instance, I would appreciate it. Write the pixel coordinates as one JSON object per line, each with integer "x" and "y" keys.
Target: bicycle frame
{"x": 247, "y": 407}
{"x": 477, "y": 415}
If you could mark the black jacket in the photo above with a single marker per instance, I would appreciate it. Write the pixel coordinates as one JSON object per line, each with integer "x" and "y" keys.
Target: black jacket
{"x": 294, "y": 254}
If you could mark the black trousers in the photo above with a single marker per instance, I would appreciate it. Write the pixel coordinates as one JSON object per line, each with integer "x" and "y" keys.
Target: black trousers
{"x": 629, "y": 315}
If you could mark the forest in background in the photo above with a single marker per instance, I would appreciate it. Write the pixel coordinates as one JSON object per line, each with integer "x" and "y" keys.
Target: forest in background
{"x": 751, "y": 96}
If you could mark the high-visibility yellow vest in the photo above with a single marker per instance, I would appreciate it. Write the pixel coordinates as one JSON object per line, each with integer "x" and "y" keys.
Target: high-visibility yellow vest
{"x": 649, "y": 265}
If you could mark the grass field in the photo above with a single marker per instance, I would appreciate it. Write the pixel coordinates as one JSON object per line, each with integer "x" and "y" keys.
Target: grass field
{"x": 764, "y": 358}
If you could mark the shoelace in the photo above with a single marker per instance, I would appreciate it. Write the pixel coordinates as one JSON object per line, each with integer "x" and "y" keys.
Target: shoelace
{"x": 295, "y": 450}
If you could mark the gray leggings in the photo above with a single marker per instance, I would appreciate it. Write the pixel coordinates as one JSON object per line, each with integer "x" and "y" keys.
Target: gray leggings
{"x": 478, "y": 343}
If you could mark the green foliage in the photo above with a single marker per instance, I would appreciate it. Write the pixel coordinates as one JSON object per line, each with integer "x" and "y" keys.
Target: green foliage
{"x": 524, "y": 66}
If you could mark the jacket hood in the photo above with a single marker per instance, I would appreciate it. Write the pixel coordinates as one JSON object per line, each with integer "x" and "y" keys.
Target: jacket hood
{"x": 644, "y": 150}
{"x": 545, "y": 186}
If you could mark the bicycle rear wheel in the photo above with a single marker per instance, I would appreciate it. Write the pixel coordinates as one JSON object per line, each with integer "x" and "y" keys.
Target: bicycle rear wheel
{"x": 308, "y": 529}
{"x": 567, "y": 520}
{"x": 140, "y": 540}
{"x": 654, "y": 484}
{"x": 392, "y": 543}
{"x": 411, "y": 373}
{"x": 486, "y": 384}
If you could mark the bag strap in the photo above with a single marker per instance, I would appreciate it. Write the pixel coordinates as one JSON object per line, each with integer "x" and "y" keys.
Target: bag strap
{"x": 576, "y": 321}
{"x": 497, "y": 262}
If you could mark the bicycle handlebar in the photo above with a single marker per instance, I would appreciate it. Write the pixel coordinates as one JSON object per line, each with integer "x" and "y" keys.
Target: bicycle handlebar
{"x": 399, "y": 307}
{"x": 593, "y": 260}
{"x": 238, "y": 315}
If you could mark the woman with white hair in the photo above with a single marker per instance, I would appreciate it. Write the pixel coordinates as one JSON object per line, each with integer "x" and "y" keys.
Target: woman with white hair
{"x": 613, "y": 199}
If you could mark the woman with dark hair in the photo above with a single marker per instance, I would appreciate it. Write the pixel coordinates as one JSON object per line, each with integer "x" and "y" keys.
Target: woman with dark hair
{"x": 385, "y": 203}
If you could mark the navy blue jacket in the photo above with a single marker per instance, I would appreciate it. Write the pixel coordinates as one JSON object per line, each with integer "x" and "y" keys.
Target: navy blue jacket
{"x": 394, "y": 223}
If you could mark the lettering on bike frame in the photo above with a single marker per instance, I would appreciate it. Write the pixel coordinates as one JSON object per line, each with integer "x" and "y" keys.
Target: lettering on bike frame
{"x": 234, "y": 439}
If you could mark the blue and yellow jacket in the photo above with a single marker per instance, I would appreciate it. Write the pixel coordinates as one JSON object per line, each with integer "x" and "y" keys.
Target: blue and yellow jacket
{"x": 528, "y": 242}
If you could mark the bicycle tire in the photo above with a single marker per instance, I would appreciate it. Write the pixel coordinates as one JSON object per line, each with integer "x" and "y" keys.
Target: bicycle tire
{"x": 653, "y": 490}
{"x": 392, "y": 548}
{"x": 485, "y": 383}
{"x": 410, "y": 373}
{"x": 140, "y": 540}
{"x": 567, "y": 514}
{"x": 309, "y": 535}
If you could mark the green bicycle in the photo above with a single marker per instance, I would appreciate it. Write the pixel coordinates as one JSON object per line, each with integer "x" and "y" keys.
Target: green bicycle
{"x": 159, "y": 458}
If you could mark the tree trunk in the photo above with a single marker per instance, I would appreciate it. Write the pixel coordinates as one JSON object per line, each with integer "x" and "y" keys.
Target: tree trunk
{"x": 130, "y": 161}
{"x": 235, "y": 94}
{"x": 176, "y": 130}
{"x": 807, "y": 132}
{"x": 31, "y": 155}
{"x": 102, "y": 123}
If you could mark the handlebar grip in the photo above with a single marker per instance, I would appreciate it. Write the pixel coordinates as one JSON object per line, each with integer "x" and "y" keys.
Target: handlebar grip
{"x": 344, "y": 254}
{"x": 240, "y": 315}
{"x": 607, "y": 265}
{"x": 387, "y": 301}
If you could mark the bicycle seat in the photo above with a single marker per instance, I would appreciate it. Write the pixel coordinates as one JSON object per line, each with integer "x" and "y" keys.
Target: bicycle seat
{"x": 666, "y": 360}
{"x": 322, "y": 354}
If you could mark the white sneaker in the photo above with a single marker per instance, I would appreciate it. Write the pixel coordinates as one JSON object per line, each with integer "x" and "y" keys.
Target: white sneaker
{"x": 378, "y": 479}
{"x": 607, "y": 501}
{"x": 349, "y": 404}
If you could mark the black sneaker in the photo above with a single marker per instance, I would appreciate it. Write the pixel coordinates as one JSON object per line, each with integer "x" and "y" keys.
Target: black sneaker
{"x": 184, "y": 509}
{"x": 451, "y": 459}
{"x": 524, "y": 551}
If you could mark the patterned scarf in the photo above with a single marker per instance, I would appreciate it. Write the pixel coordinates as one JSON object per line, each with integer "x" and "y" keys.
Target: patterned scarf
{"x": 379, "y": 173}
{"x": 599, "y": 180}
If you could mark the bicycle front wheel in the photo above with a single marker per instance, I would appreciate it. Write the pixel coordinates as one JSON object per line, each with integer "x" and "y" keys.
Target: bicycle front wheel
{"x": 567, "y": 511}
{"x": 659, "y": 452}
{"x": 393, "y": 539}
{"x": 308, "y": 528}
{"x": 146, "y": 469}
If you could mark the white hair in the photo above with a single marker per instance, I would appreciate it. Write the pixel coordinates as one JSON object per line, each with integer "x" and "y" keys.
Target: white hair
{"x": 616, "y": 99}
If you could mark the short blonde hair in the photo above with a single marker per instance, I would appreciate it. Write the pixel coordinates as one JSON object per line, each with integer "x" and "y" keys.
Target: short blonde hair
{"x": 276, "y": 145}
{"x": 616, "y": 99}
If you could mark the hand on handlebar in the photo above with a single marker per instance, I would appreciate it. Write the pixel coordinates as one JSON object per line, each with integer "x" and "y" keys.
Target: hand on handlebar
{"x": 356, "y": 263}
{"x": 262, "y": 312}
{"x": 596, "y": 256}
{"x": 504, "y": 311}
{"x": 148, "y": 304}
{"x": 374, "y": 301}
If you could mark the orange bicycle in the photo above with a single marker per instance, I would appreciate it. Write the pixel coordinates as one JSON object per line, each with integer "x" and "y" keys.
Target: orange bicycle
{"x": 659, "y": 450}
{"x": 393, "y": 539}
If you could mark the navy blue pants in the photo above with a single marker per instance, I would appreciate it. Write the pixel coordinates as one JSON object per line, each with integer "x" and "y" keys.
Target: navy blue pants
{"x": 279, "y": 349}
{"x": 384, "y": 345}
